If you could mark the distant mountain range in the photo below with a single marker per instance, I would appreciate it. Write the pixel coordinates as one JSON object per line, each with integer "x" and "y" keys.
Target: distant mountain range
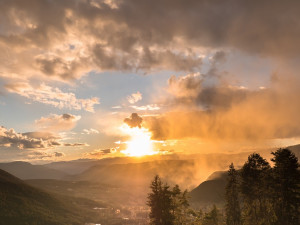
{"x": 187, "y": 170}
{"x": 199, "y": 165}
{"x": 25, "y": 170}
{"x": 115, "y": 178}
{"x": 140, "y": 174}
{"x": 72, "y": 167}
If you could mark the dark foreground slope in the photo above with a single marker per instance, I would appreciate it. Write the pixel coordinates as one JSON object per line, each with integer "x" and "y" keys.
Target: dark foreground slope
{"x": 211, "y": 191}
{"x": 23, "y": 204}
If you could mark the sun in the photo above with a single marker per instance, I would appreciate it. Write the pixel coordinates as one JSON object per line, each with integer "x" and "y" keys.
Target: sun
{"x": 140, "y": 143}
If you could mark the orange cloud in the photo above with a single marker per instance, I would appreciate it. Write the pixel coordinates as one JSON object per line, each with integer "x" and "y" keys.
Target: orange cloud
{"x": 57, "y": 122}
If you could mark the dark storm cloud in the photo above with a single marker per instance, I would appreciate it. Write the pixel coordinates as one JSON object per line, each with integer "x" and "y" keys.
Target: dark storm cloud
{"x": 36, "y": 36}
{"x": 134, "y": 120}
{"x": 57, "y": 66}
{"x": 256, "y": 26}
{"x": 208, "y": 91}
{"x": 191, "y": 90}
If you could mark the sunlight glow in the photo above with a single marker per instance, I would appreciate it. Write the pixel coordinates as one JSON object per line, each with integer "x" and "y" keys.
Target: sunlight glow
{"x": 140, "y": 142}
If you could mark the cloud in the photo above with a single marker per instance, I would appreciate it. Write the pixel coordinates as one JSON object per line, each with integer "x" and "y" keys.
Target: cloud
{"x": 134, "y": 97}
{"x": 100, "y": 152}
{"x": 32, "y": 140}
{"x": 90, "y": 131}
{"x": 10, "y": 139}
{"x": 56, "y": 122}
{"x": 134, "y": 120}
{"x": 75, "y": 144}
{"x": 56, "y": 40}
{"x": 67, "y": 39}
{"x": 116, "y": 107}
{"x": 52, "y": 96}
{"x": 41, "y": 135}
{"x": 151, "y": 107}
{"x": 221, "y": 112}
{"x": 54, "y": 65}
{"x": 194, "y": 90}
{"x": 64, "y": 40}
{"x": 185, "y": 86}
{"x": 44, "y": 155}
{"x": 59, "y": 154}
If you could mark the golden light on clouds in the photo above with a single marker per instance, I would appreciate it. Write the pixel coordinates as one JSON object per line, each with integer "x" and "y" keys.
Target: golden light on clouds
{"x": 207, "y": 88}
{"x": 139, "y": 143}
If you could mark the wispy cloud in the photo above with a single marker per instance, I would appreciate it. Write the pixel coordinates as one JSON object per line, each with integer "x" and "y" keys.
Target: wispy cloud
{"x": 90, "y": 131}
{"x": 75, "y": 144}
{"x": 52, "y": 96}
{"x": 34, "y": 155}
{"x": 134, "y": 97}
{"x": 100, "y": 152}
{"x": 151, "y": 107}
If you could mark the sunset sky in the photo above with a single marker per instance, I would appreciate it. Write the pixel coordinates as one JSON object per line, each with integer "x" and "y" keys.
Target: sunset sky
{"x": 199, "y": 76}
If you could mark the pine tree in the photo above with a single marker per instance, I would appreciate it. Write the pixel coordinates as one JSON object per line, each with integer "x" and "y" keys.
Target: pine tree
{"x": 233, "y": 211}
{"x": 197, "y": 216}
{"x": 255, "y": 191}
{"x": 166, "y": 199}
{"x": 180, "y": 206}
{"x": 286, "y": 187}
{"x": 154, "y": 201}
{"x": 160, "y": 203}
{"x": 212, "y": 217}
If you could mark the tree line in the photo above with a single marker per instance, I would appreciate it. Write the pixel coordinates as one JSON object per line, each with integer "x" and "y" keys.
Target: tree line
{"x": 256, "y": 194}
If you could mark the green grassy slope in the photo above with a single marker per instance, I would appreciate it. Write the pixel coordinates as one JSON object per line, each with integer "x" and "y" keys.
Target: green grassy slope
{"x": 23, "y": 204}
{"x": 25, "y": 170}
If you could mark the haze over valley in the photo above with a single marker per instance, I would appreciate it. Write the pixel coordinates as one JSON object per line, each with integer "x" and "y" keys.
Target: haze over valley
{"x": 161, "y": 112}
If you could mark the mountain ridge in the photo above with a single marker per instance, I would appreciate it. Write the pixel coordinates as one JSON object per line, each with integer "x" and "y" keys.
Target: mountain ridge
{"x": 25, "y": 170}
